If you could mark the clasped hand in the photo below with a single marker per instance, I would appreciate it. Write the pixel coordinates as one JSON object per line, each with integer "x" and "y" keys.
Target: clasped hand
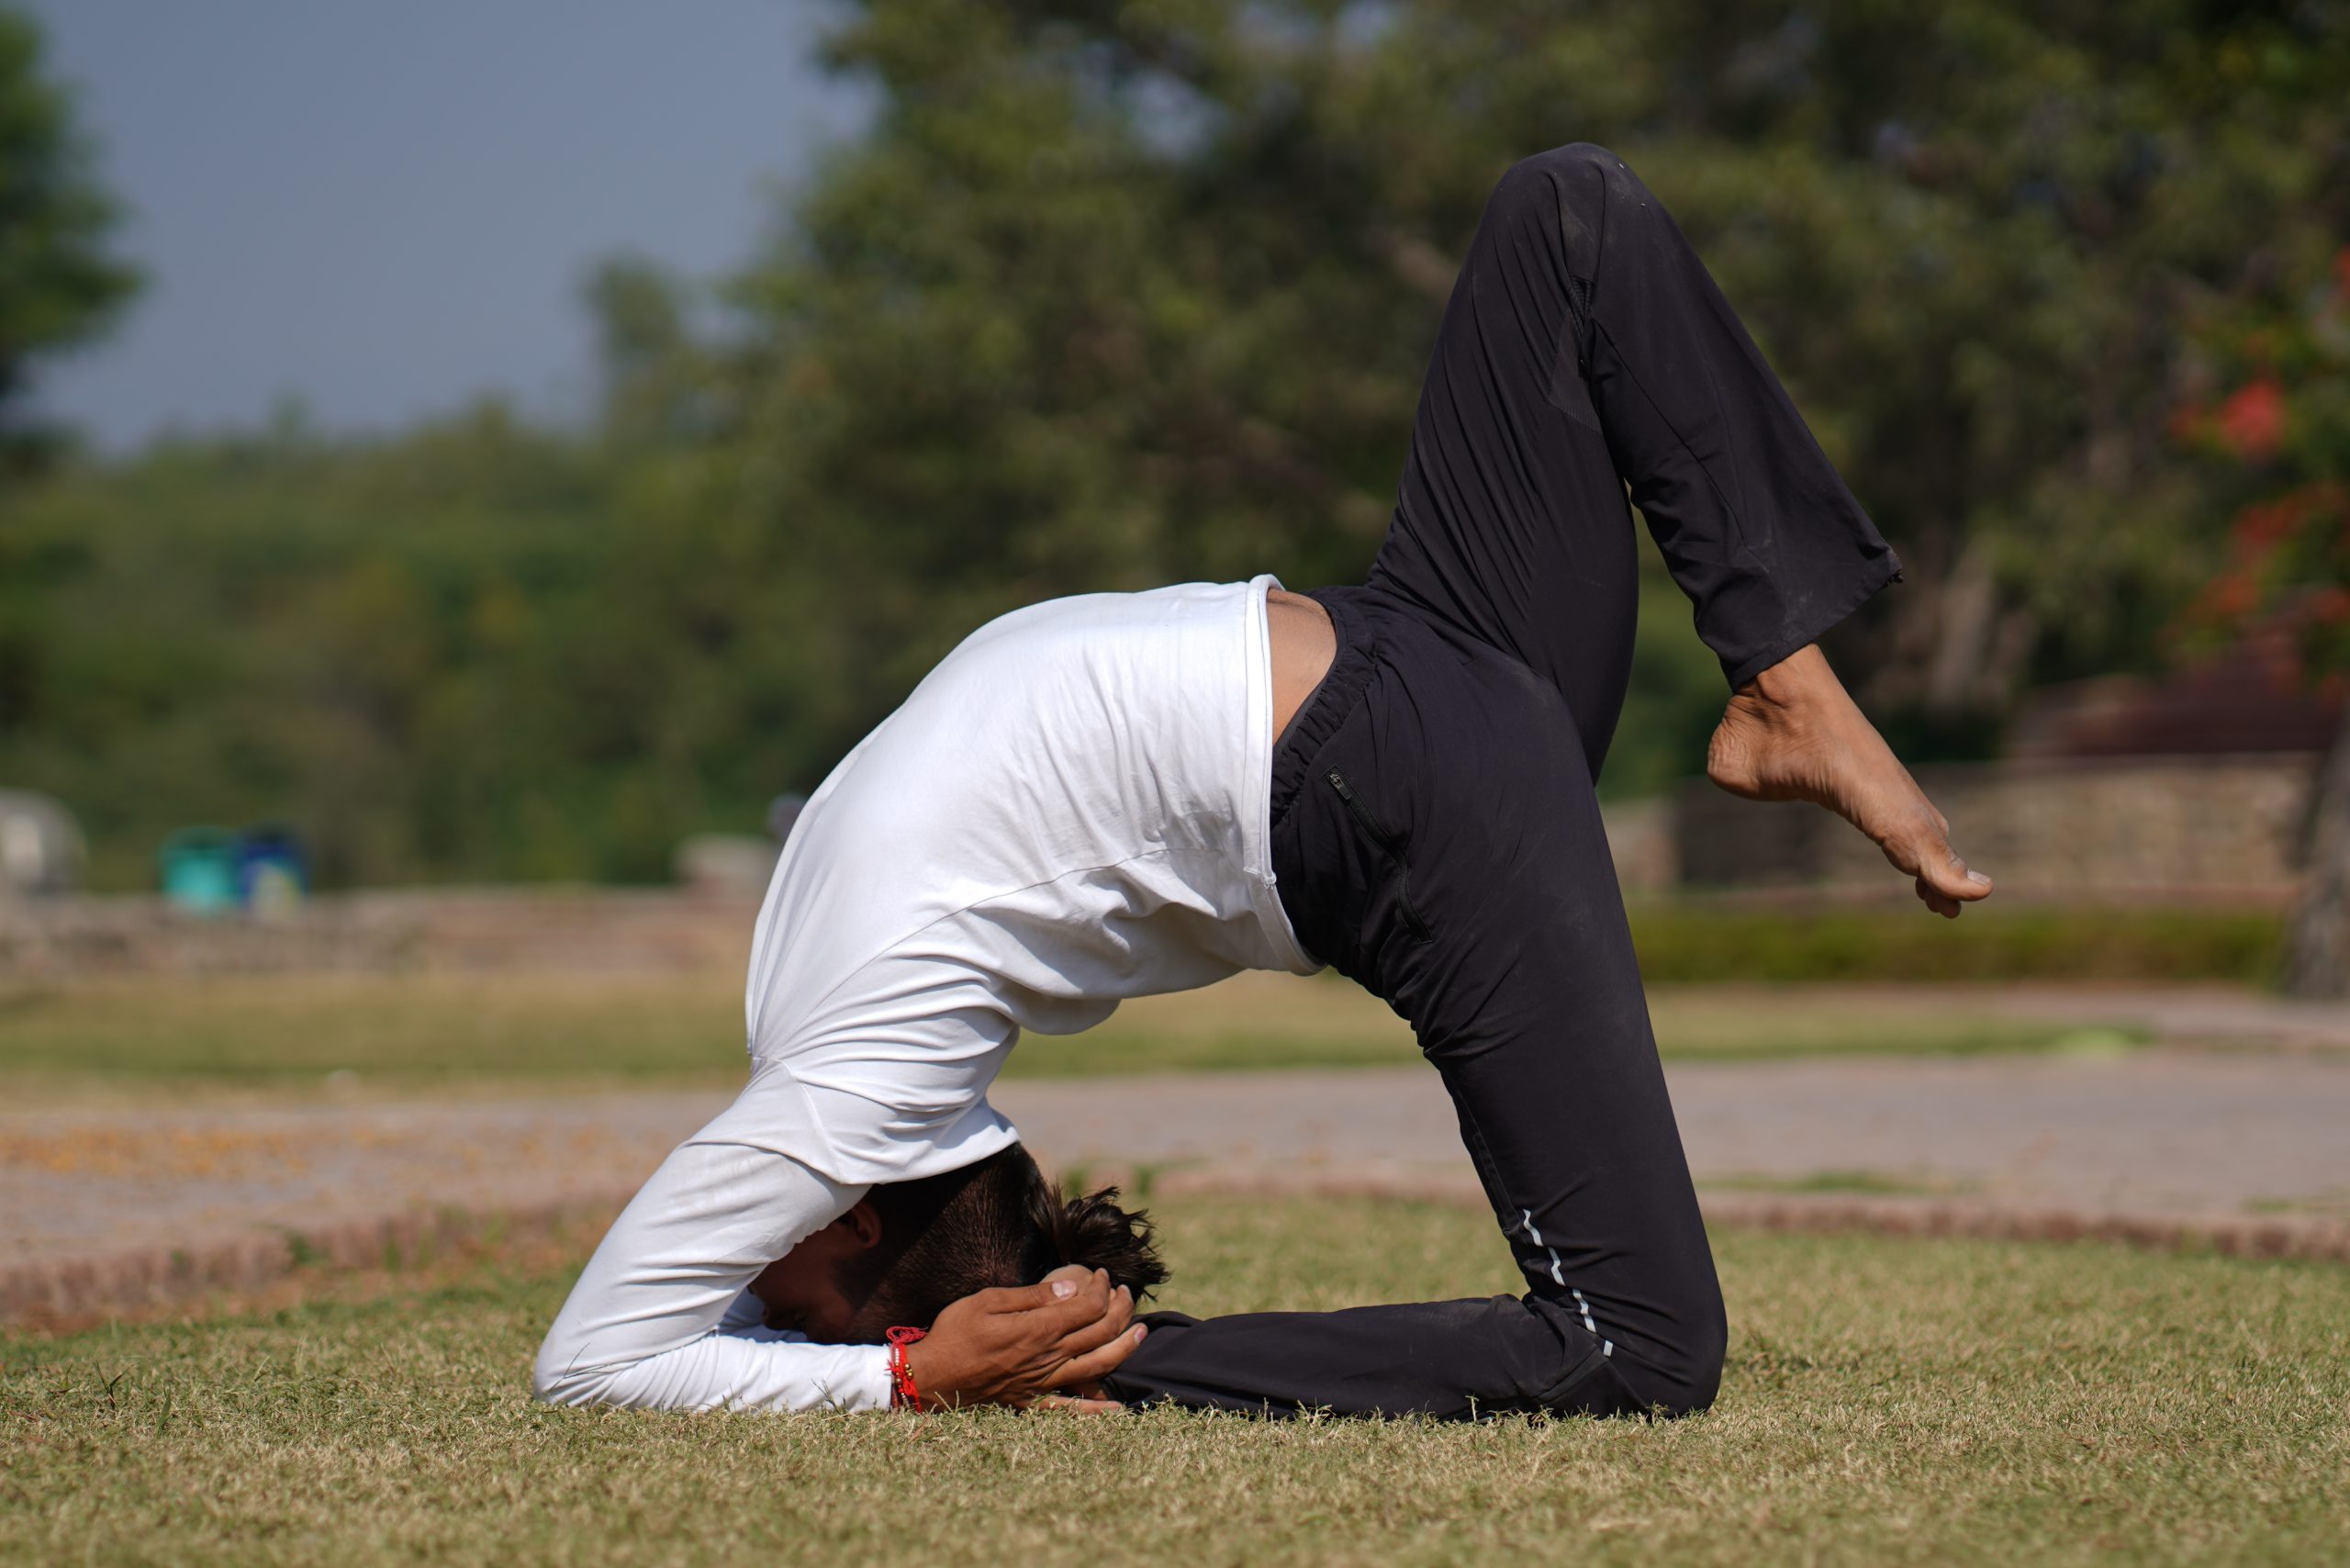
{"x": 1046, "y": 1346}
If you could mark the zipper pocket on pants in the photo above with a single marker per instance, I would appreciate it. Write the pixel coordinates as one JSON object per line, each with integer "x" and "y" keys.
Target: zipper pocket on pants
{"x": 1388, "y": 846}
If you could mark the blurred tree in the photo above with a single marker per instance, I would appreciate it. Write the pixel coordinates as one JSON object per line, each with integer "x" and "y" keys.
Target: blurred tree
{"x": 401, "y": 647}
{"x": 1119, "y": 293}
{"x": 1113, "y": 296}
{"x": 59, "y": 286}
{"x": 2275, "y": 431}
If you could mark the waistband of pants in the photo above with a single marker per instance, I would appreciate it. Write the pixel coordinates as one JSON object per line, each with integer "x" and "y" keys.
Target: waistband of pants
{"x": 1330, "y": 703}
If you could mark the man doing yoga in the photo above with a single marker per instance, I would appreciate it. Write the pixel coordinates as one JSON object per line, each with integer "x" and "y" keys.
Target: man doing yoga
{"x": 1120, "y": 794}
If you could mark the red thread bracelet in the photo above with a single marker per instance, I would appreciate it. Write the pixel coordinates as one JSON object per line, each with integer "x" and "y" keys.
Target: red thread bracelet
{"x": 902, "y": 1392}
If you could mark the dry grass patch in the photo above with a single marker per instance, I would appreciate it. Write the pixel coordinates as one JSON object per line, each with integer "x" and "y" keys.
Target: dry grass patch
{"x": 362, "y": 1037}
{"x": 1887, "y": 1401}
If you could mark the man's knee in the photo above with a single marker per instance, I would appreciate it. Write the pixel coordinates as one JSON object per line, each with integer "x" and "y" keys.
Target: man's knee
{"x": 1692, "y": 1392}
{"x": 1614, "y": 1386}
{"x": 1695, "y": 1377}
{"x": 1686, "y": 1387}
{"x": 1678, "y": 1373}
{"x": 1578, "y": 191}
{"x": 1586, "y": 156}
{"x": 1562, "y": 173}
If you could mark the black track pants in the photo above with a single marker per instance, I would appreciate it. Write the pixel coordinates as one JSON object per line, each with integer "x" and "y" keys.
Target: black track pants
{"x": 1435, "y": 829}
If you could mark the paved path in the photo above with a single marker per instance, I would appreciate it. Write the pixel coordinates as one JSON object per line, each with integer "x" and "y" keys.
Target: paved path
{"x": 80, "y": 1182}
{"x": 2223, "y": 1014}
{"x": 2161, "y": 1132}
{"x": 2155, "y": 1131}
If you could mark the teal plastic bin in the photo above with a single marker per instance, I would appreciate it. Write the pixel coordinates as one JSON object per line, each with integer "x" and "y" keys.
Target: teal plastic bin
{"x": 201, "y": 870}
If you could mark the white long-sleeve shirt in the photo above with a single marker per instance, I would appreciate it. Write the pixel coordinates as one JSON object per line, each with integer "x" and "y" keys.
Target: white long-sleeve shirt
{"x": 1071, "y": 810}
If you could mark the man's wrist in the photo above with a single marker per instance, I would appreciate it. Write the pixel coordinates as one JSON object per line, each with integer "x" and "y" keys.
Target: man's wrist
{"x": 929, "y": 1368}
{"x": 905, "y": 1386}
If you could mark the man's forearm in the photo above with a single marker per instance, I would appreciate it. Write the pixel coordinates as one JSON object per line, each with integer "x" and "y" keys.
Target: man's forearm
{"x": 641, "y": 1328}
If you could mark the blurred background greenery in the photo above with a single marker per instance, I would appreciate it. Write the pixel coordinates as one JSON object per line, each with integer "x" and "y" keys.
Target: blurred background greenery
{"x": 1107, "y": 296}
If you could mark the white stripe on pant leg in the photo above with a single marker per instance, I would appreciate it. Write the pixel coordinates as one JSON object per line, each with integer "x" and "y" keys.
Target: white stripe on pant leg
{"x": 1606, "y": 1347}
{"x": 1558, "y": 1275}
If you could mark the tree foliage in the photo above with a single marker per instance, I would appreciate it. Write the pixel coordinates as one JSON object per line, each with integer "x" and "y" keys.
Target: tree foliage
{"x": 406, "y": 648}
{"x": 1117, "y": 295}
{"x": 59, "y": 284}
{"x": 2276, "y": 435}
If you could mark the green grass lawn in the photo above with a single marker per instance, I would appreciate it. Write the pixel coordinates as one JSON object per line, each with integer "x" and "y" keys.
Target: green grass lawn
{"x": 1707, "y": 941}
{"x": 310, "y": 1034}
{"x": 1887, "y": 1401}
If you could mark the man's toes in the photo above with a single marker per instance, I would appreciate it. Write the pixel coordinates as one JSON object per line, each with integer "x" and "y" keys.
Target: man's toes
{"x": 1941, "y": 902}
{"x": 1960, "y": 883}
{"x": 1939, "y": 865}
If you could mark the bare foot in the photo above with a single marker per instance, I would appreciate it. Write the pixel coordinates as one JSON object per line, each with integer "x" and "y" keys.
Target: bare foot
{"x": 1793, "y": 733}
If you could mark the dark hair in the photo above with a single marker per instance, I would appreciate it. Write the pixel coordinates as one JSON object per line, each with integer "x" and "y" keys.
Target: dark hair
{"x": 998, "y": 1222}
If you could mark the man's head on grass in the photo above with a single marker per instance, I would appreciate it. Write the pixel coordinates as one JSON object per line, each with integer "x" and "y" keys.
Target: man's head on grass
{"x": 908, "y": 1249}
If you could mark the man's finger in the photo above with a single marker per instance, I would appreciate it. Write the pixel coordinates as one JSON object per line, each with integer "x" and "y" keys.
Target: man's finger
{"x": 1040, "y": 1324}
{"x": 1096, "y": 1364}
{"x": 1074, "y": 1405}
{"x": 1016, "y": 1298}
{"x": 1079, "y": 1300}
{"x": 1103, "y": 1329}
{"x": 1046, "y": 1325}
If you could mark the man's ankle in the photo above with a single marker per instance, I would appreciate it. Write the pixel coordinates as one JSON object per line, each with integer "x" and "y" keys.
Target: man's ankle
{"x": 1802, "y": 680}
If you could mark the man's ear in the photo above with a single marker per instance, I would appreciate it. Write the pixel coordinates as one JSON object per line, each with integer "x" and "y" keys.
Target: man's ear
{"x": 860, "y": 1227}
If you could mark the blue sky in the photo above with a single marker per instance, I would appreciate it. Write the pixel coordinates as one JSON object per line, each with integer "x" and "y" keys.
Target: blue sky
{"x": 384, "y": 210}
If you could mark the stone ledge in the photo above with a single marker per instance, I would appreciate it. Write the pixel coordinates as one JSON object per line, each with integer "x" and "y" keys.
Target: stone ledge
{"x": 2307, "y": 1236}
{"x": 67, "y": 1292}
{"x": 387, "y": 931}
{"x": 71, "y": 1291}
